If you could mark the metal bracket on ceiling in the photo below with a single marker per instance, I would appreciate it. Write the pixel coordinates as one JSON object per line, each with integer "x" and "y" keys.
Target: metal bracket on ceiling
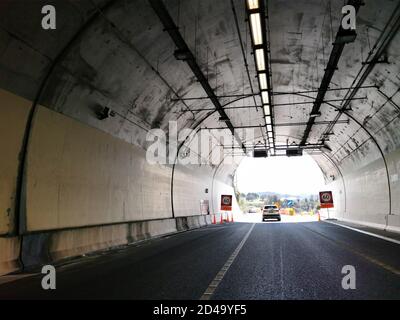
{"x": 385, "y": 60}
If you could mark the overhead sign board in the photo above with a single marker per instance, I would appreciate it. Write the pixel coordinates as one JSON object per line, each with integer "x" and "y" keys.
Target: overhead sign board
{"x": 326, "y": 199}
{"x": 294, "y": 152}
{"x": 226, "y": 202}
{"x": 260, "y": 153}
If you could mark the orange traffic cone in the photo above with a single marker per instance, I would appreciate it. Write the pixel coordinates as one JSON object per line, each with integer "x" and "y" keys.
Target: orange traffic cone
{"x": 232, "y": 218}
{"x": 222, "y": 220}
{"x": 214, "y": 220}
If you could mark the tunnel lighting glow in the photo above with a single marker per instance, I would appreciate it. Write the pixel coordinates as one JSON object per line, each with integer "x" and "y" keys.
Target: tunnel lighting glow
{"x": 255, "y": 21}
{"x": 260, "y": 59}
{"x": 269, "y": 127}
{"x": 266, "y": 110}
{"x": 315, "y": 115}
{"x": 268, "y": 120}
{"x": 252, "y": 4}
{"x": 265, "y": 97}
{"x": 263, "y": 81}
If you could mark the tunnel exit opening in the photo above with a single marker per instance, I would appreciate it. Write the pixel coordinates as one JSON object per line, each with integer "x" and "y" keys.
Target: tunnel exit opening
{"x": 292, "y": 184}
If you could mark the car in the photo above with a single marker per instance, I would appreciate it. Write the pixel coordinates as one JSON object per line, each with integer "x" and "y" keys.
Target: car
{"x": 271, "y": 212}
{"x": 252, "y": 210}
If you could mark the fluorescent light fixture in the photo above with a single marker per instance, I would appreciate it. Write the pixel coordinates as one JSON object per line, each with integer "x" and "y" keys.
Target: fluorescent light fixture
{"x": 263, "y": 81}
{"x": 260, "y": 59}
{"x": 346, "y": 36}
{"x": 269, "y": 127}
{"x": 223, "y": 119}
{"x": 315, "y": 115}
{"x": 265, "y": 97}
{"x": 266, "y": 110}
{"x": 252, "y": 4}
{"x": 255, "y": 21}
{"x": 182, "y": 55}
{"x": 268, "y": 120}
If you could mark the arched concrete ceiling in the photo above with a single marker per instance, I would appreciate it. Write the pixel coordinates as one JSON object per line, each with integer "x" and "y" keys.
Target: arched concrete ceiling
{"x": 115, "y": 53}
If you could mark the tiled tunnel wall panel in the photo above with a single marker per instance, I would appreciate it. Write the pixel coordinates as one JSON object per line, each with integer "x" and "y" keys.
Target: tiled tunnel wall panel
{"x": 367, "y": 192}
{"x": 14, "y": 113}
{"x": 190, "y": 184}
{"x": 80, "y": 176}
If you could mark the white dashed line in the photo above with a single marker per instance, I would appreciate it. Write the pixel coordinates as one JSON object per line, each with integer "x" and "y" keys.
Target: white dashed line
{"x": 220, "y": 275}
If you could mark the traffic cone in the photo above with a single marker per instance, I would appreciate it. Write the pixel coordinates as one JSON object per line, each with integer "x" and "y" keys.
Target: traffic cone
{"x": 214, "y": 220}
{"x": 232, "y": 218}
{"x": 319, "y": 217}
{"x": 222, "y": 220}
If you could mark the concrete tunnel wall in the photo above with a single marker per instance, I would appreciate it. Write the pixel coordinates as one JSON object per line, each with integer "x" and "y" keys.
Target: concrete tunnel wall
{"x": 85, "y": 190}
{"x": 362, "y": 194}
{"x": 86, "y": 184}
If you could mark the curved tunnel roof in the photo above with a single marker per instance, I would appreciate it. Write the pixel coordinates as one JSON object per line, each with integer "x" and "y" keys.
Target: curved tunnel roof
{"x": 116, "y": 54}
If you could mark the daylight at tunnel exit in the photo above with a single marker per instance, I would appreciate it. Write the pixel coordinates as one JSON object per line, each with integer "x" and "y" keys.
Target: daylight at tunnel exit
{"x": 207, "y": 158}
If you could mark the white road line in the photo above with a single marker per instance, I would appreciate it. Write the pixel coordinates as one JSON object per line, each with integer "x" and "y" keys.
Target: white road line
{"x": 364, "y": 232}
{"x": 220, "y": 275}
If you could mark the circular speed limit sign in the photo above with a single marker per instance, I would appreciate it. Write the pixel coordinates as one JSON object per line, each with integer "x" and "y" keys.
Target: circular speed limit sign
{"x": 226, "y": 202}
{"x": 326, "y": 197}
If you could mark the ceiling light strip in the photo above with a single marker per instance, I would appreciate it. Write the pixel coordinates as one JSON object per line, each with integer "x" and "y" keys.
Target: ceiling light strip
{"x": 256, "y": 17}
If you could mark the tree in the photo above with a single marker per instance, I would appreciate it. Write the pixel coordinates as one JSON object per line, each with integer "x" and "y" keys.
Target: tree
{"x": 274, "y": 198}
{"x": 252, "y": 196}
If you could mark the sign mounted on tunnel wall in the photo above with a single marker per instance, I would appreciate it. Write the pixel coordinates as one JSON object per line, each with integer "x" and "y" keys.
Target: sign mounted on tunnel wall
{"x": 326, "y": 199}
{"x": 226, "y": 202}
{"x": 204, "y": 207}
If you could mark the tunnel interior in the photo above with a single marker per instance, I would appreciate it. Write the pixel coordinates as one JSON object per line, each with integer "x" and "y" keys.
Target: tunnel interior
{"x": 81, "y": 105}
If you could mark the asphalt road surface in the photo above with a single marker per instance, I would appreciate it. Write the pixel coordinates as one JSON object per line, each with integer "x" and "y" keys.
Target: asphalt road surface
{"x": 252, "y": 261}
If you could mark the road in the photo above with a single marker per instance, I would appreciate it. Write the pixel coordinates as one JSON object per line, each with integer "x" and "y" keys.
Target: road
{"x": 272, "y": 261}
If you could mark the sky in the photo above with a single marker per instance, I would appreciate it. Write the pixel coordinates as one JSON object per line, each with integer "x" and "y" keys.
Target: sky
{"x": 294, "y": 175}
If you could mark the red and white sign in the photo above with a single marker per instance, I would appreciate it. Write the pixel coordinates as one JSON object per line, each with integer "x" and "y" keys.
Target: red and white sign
{"x": 226, "y": 203}
{"x": 326, "y": 199}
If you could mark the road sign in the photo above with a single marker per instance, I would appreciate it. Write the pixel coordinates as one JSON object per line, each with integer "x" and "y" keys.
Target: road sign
{"x": 226, "y": 203}
{"x": 326, "y": 199}
{"x": 204, "y": 207}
